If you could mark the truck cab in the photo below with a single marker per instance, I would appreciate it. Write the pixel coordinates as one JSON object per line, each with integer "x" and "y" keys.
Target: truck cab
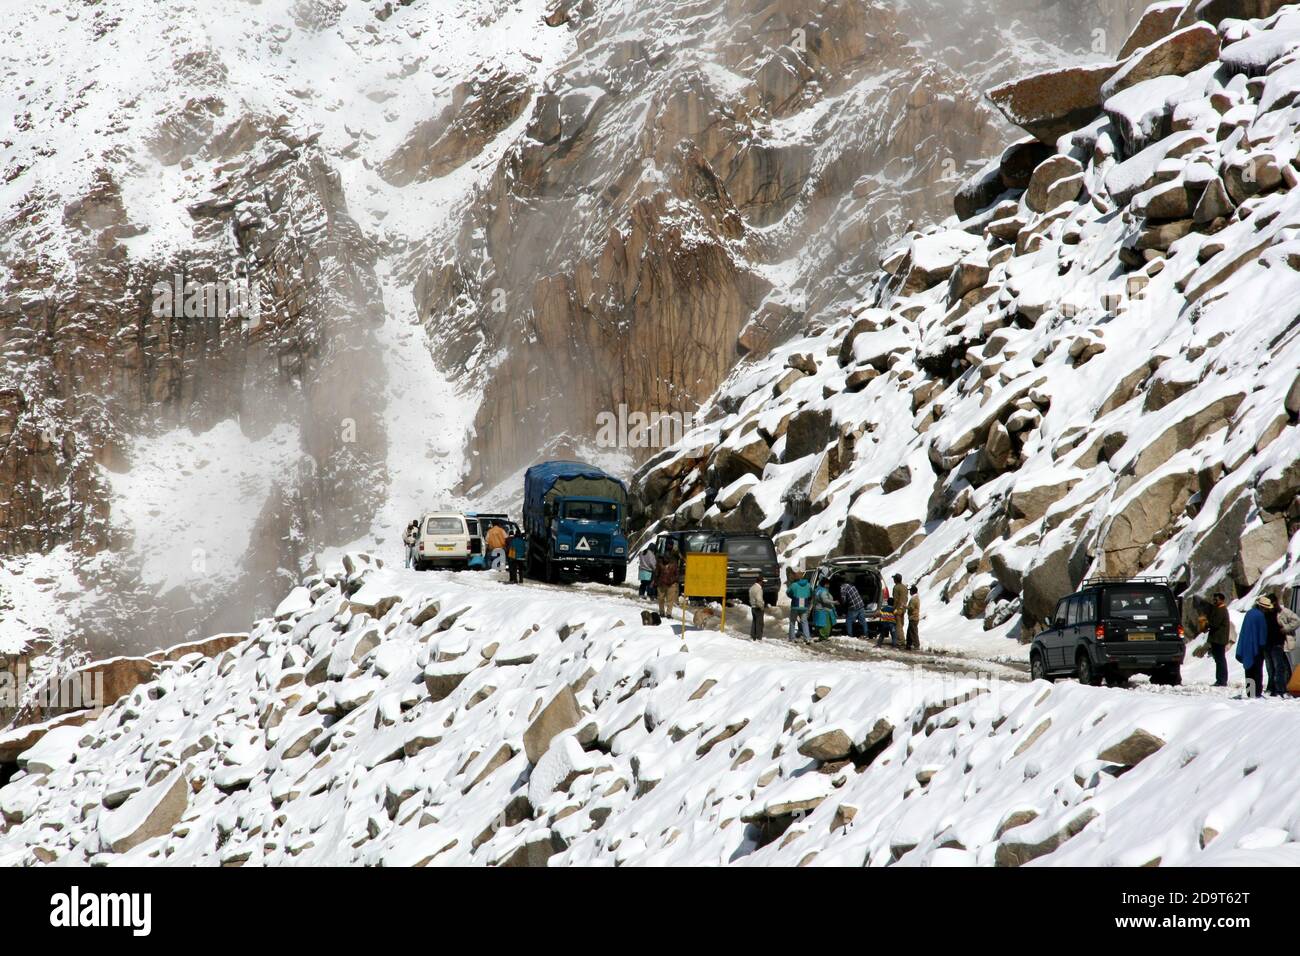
{"x": 576, "y": 519}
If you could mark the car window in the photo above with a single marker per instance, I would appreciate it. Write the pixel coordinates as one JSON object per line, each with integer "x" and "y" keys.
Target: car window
{"x": 1139, "y": 603}
{"x": 1087, "y": 608}
{"x": 443, "y": 526}
{"x": 750, "y": 549}
{"x": 1062, "y": 612}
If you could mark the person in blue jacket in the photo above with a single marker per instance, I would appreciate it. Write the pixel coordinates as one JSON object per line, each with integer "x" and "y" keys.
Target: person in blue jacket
{"x": 1252, "y": 646}
{"x": 800, "y": 592}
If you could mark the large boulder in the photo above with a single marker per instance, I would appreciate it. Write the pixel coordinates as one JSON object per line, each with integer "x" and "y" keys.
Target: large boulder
{"x": 1186, "y": 430}
{"x": 743, "y": 457}
{"x": 1158, "y": 20}
{"x": 1261, "y": 546}
{"x": 1056, "y": 180}
{"x": 145, "y": 815}
{"x": 561, "y": 713}
{"x": 1050, "y": 104}
{"x": 1148, "y": 510}
{"x": 1178, "y": 54}
{"x": 877, "y": 535}
{"x": 809, "y": 432}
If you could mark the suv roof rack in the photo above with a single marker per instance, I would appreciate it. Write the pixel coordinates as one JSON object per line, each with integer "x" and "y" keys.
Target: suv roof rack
{"x": 1123, "y": 579}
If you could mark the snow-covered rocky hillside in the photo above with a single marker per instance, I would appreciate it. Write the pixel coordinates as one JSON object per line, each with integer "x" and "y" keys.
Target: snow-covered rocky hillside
{"x": 395, "y": 718}
{"x": 366, "y": 169}
{"x": 1095, "y": 369}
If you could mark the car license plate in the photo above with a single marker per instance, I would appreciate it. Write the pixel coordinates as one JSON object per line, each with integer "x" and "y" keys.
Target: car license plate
{"x": 1141, "y": 636}
{"x": 446, "y": 547}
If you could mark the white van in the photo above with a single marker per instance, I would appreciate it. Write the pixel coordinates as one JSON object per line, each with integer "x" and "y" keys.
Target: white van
{"x": 444, "y": 541}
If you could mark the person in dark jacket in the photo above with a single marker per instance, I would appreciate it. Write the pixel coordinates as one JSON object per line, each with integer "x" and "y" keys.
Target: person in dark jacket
{"x": 1276, "y": 659}
{"x": 1217, "y": 634}
{"x": 1252, "y": 648}
{"x": 898, "y": 596}
{"x": 666, "y": 582}
{"x": 517, "y": 556}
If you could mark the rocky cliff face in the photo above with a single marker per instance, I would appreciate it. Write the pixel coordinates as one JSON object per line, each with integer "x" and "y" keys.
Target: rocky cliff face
{"x": 1096, "y": 370}
{"x": 695, "y": 183}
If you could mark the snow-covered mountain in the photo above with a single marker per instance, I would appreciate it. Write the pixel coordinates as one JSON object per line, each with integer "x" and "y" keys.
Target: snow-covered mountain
{"x": 561, "y": 193}
{"x": 1096, "y": 370}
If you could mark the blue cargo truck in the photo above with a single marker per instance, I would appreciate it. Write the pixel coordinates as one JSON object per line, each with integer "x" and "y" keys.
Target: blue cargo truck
{"x": 575, "y": 516}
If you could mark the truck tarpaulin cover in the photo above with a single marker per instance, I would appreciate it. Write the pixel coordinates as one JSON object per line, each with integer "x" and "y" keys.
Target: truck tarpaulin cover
{"x": 571, "y": 479}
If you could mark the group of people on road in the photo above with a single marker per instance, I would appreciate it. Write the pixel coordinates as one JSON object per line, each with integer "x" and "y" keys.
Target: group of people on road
{"x": 815, "y": 609}
{"x": 811, "y": 609}
{"x": 505, "y": 551}
{"x": 1268, "y": 636}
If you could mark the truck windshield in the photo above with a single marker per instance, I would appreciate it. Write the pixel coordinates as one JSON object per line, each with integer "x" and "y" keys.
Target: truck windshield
{"x": 1140, "y": 603}
{"x": 591, "y": 510}
{"x": 444, "y": 526}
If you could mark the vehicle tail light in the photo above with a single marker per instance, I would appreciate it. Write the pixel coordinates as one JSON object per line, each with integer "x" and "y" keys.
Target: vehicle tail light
{"x": 1181, "y": 632}
{"x": 421, "y": 546}
{"x": 1101, "y": 631}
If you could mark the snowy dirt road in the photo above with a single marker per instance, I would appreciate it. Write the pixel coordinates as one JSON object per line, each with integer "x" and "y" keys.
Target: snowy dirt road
{"x": 853, "y": 653}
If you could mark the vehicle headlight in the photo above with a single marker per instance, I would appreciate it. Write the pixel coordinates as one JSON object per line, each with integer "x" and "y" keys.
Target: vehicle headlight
{"x": 564, "y": 547}
{"x": 618, "y": 550}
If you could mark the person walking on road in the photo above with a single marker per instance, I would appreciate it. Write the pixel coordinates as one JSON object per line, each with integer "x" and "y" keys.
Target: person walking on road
{"x": 645, "y": 572}
{"x": 898, "y": 597}
{"x": 757, "y": 604}
{"x": 496, "y": 545}
{"x": 1218, "y": 630}
{"x": 1252, "y": 649}
{"x": 666, "y": 584}
{"x": 800, "y": 592}
{"x": 517, "y": 556}
{"x": 854, "y": 609}
{"x": 913, "y": 620}
{"x": 410, "y": 539}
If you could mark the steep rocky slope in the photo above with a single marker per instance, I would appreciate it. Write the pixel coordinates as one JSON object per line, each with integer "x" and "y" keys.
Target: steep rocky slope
{"x": 699, "y": 180}
{"x": 391, "y": 718}
{"x": 1096, "y": 370}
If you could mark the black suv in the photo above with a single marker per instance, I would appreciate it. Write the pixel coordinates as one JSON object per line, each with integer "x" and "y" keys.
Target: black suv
{"x": 1112, "y": 628}
{"x": 748, "y": 555}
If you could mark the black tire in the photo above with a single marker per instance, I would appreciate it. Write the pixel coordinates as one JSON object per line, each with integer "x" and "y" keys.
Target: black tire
{"x": 552, "y": 573}
{"x": 1170, "y": 675}
{"x": 1087, "y": 673}
{"x": 1038, "y": 669}
{"x": 1116, "y": 679}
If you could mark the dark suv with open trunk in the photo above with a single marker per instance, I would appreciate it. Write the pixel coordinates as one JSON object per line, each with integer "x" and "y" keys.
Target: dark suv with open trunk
{"x": 1110, "y": 629}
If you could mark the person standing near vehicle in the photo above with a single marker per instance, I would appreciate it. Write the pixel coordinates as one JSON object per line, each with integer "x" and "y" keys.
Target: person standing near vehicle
{"x": 1217, "y": 636}
{"x": 1252, "y": 649}
{"x": 800, "y": 592}
{"x": 517, "y": 556}
{"x": 666, "y": 584}
{"x": 823, "y": 612}
{"x": 496, "y": 545}
{"x": 1279, "y": 664}
{"x": 888, "y": 625}
{"x": 756, "y": 607}
{"x": 410, "y": 539}
{"x": 854, "y": 609}
{"x": 913, "y": 619}
{"x": 898, "y": 597}
{"x": 645, "y": 572}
